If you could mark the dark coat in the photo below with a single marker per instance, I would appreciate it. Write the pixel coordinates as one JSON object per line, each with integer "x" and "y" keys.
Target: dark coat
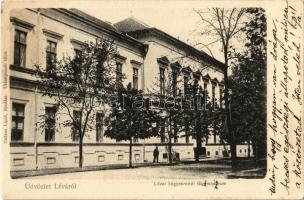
{"x": 155, "y": 152}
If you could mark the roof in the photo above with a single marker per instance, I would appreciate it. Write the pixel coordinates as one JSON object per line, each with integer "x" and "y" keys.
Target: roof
{"x": 131, "y": 29}
{"x": 138, "y": 29}
{"x": 130, "y": 24}
{"x": 106, "y": 25}
{"x": 103, "y": 26}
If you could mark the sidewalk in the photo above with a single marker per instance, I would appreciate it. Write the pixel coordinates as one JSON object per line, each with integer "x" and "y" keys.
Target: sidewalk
{"x": 41, "y": 172}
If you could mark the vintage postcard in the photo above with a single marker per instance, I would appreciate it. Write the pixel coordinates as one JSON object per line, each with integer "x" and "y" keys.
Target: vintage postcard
{"x": 152, "y": 99}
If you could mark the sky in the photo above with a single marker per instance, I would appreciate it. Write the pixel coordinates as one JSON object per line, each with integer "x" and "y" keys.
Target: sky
{"x": 176, "y": 18}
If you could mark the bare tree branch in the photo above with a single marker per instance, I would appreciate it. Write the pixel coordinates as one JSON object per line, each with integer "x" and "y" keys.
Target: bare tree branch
{"x": 207, "y": 46}
{"x": 207, "y": 21}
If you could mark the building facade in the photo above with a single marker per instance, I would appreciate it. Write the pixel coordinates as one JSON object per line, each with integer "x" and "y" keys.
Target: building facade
{"x": 145, "y": 54}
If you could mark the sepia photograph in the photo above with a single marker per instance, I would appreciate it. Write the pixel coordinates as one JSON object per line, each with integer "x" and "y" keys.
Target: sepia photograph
{"x": 143, "y": 93}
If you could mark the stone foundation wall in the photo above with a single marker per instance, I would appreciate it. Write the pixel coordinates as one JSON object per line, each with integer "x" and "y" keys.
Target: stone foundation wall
{"x": 55, "y": 155}
{"x": 217, "y": 151}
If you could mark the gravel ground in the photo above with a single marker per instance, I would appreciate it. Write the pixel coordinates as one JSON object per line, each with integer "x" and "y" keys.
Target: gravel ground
{"x": 181, "y": 171}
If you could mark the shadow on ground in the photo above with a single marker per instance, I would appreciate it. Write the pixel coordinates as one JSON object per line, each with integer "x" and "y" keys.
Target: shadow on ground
{"x": 246, "y": 168}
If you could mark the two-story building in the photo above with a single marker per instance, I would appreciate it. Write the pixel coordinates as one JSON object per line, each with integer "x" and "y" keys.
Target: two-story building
{"x": 146, "y": 54}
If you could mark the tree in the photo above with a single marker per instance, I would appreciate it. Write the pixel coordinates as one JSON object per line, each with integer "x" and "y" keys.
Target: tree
{"x": 166, "y": 101}
{"x": 131, "y": 119}
{"x": 223, "y": 25}
{"x": 202, "y": 116}
{"x": 248, "y": 85}
{"x": 79, "y": 84}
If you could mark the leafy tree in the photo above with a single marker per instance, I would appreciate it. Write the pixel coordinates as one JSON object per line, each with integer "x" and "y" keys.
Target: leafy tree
{"x": 223, "y": 25}
{"x": 80, "y": 83}
{"x": 248, "y": 85}
{"x": 167, "y": 103}
{"x": 201, "y": 117}
{"x": 131, "y": 119}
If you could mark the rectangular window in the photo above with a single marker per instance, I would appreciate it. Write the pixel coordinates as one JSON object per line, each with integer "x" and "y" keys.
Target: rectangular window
{"x": 186, "y": 82}
{"x": 205, "y": 96}
{"x": 174, "y": 82}
{"x": 77, "y": 70}
{"x": 75, "y": 128}
{"x": 221, "y": 97}
{"x": 162, "y": 80}
{"x": 18, "y": 161}
{"x": 77, "y": 53}
{"x": 213, "y": 96}
{"x": 137, "y": 157}
{"x": 99, "y": 127}
{"x": 118, "y": 71}
{"x": 17, "y": 122}
{"x": 101, "y": 158}
{"x": 20, "y": 48}
{"x": 216, "y": 103}
{"x": 51, "y": 160}
{"x": 50, "y": 122}
{"x": 51, "y": 54}
{"x": 135, "y": 78}
{"x": 120, "y": 157}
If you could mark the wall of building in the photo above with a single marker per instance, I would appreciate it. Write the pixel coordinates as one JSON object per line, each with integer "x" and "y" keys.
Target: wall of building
{"x": 158, "y": 49}
{"x": 66, "y": 155}
{"x": 36, "y": 55}
{"x": 217, "y": 151}
{"x": 33, "y": 152}
{"x": 69, "y": 30}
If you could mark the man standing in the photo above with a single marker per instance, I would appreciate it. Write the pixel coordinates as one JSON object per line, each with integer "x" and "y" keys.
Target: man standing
{"x": 155, "y": 155}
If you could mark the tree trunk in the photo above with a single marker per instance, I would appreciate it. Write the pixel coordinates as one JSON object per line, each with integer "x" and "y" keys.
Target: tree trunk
{"x": 170, "y": 147}
{"x": 80, "y": 151}
{"x": 228, "y": 121}
{"x": 170, "y": 142}
{"x": 198, "y": 142}
{"x": 198, "y": 148}
{"x": 197, "y": 129}
{"x": 130, "y": 153}
{"x": 256, "y": 151}
{"x": 248, "y": 153}
{"x": 170, "y": 150}
{"x": 233, "y": 155}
